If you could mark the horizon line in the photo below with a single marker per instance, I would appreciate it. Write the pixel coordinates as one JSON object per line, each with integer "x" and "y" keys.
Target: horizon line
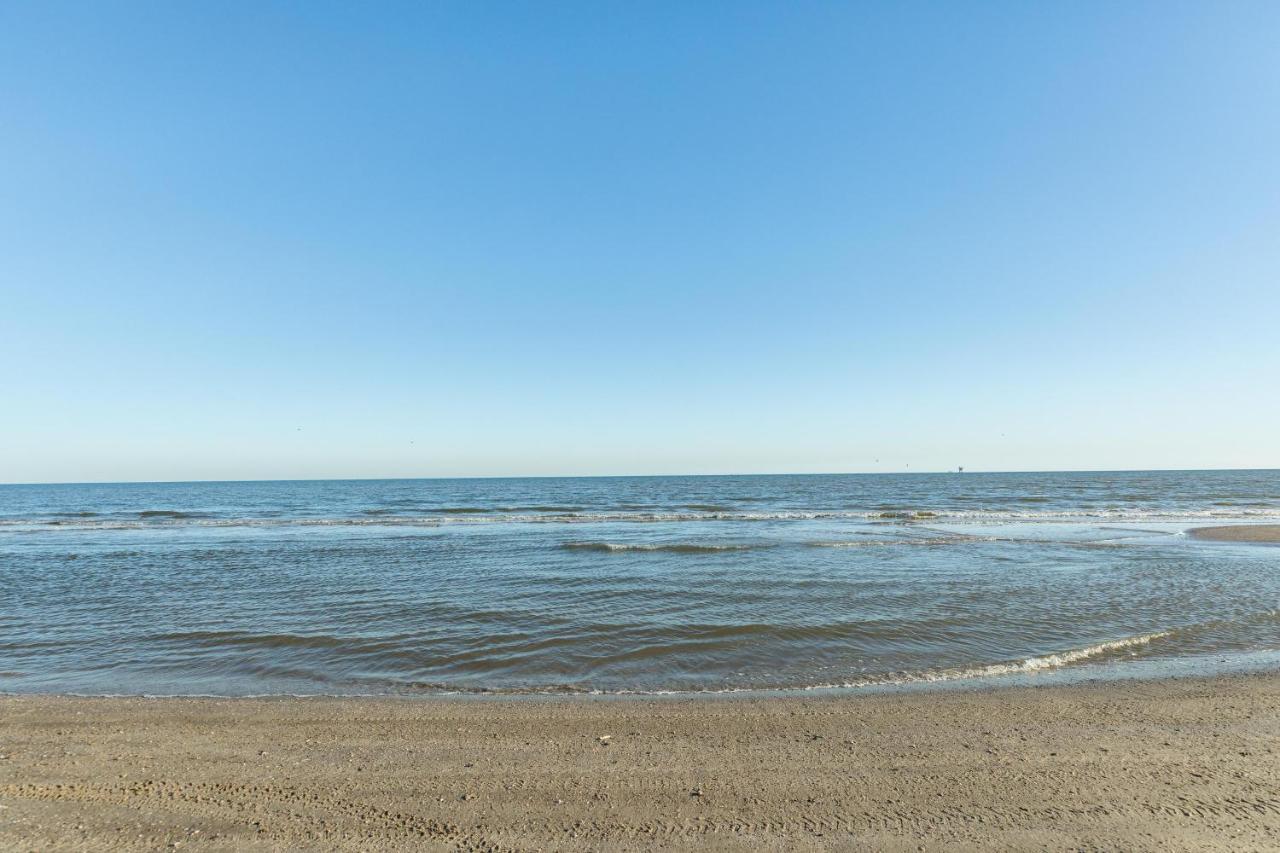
{"x": 958, "y": 470}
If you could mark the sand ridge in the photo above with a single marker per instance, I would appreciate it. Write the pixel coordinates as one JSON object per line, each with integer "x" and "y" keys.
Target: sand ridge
{"x": 1239, "y": 533}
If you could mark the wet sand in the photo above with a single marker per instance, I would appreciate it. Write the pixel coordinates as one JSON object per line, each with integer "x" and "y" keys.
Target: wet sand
{"x": 1174, "y": 764}
{"x": 1239, "y": 533}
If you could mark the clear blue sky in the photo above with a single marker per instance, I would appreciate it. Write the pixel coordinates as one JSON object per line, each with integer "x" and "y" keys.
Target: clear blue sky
{"x": 250, "y": 240}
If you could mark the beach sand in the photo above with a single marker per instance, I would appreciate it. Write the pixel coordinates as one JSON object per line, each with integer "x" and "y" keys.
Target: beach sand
{"x": 1239, "y": 533}
{"x": 1182, "y": 763}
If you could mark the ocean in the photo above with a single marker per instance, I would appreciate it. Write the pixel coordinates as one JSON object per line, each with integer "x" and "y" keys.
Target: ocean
{"x": 625, "y": 584}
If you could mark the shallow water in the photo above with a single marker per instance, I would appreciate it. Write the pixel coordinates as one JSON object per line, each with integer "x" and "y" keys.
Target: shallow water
{"x": 623, "y": 584}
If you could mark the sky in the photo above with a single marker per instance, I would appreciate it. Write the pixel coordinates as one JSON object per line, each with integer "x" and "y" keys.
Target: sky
{"x": 248, "y": 240}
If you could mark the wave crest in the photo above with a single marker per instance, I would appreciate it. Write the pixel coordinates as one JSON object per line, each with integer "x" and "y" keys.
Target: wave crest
{"x": 1022, "y": 667}
{"x": 669, "y": 547}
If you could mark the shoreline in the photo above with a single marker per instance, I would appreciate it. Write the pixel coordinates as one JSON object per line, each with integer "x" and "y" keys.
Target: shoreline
{"x": 1140, "y": 764}
{"x": 1119, "y": 670}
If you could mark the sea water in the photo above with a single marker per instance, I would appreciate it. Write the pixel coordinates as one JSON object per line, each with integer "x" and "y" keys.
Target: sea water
{"x": 628, "y": 584}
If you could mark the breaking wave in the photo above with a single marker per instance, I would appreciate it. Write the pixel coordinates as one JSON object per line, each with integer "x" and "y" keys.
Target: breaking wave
{"x": 671, "y": 548}
{"x": 1027, "y": 665}
{"x": 885, "y": 543}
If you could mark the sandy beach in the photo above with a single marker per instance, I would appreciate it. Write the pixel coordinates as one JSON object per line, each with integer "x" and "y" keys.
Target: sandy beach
{"x": 1181, "y": 763}
{"x": 1239, "y": 533}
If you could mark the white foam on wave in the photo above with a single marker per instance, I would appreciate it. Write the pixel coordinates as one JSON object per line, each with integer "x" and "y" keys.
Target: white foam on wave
{"x": 675, "y": 547}
{"x": 884, "y": 543}
{"x": 1022, "y": 667}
